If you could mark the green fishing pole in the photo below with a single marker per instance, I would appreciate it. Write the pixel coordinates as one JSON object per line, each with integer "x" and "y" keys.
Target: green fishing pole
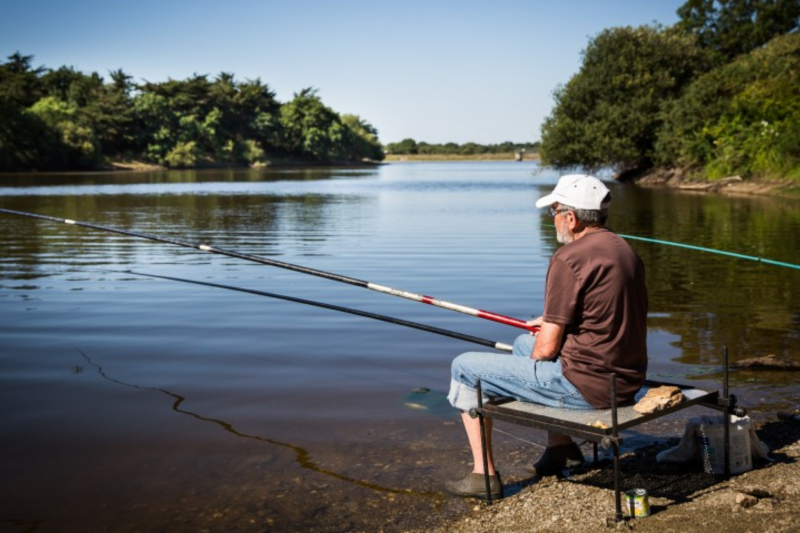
{"x": 713, "y": 251}
{"x": 708, "y": 250}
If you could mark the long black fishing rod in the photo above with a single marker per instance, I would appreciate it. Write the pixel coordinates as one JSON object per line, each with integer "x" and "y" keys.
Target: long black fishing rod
{"x": 488, "y": 315}
{"x": 423, "y": 327}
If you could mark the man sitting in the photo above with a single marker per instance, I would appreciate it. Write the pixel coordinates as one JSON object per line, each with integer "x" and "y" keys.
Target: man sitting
{"x": 593, "y": 324}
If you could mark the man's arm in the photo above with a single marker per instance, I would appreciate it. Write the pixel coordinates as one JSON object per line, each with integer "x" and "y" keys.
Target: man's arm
{"x": 548, "y": 341}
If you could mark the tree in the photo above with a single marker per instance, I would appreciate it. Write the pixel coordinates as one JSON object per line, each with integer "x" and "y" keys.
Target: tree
{"x": 227, "y": 122}
{"x": 74, "y": 87}
{"x": 471, "y": 148}
{"x": 248, "y": 121}
{"x": 26, "y": 142}
{"x": 20, "y": 82}
{"x": 121, "y": 83}
{"x": 310, "y": 128}
{"x": 61, "y": 119}
{"x": 154, "y": 125}
{"x": 103, "y": 108}
{"x": 23, "y": 137}
{"x": 742, "y": 118}
{"x": 255, "y": 103}
{"x": 78, "y": 146}
{"x": 179, "y": 123}
{"x": 733, "y": 27}
{"x": 114, "y": 115}
{"x": 363, "y": 143}
{"x": 406, "y": 146}
{"x": 608, "y": 113}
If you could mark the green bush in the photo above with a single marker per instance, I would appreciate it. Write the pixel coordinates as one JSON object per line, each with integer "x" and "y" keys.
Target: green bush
{"x": 741, "y": 118}
{"x": 184, "y": 154}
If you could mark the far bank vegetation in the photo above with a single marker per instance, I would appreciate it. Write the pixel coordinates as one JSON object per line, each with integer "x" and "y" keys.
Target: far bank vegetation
{"x": 62, "y": 119}
{"x": 411, "y": 150}
{"x": 716, "y": 95}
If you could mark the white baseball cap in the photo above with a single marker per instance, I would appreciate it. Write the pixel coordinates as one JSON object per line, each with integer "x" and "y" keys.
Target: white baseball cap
{"x": 579, "y": 191}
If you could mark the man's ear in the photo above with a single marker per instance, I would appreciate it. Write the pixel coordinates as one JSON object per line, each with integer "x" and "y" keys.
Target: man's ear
{"x": 572, "y": 220}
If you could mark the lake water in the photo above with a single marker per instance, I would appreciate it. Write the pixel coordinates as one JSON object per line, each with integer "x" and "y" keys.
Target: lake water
{"x": 134, "y": 403}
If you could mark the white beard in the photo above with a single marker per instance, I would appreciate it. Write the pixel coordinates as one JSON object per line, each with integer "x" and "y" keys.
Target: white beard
{"x": 564, "y": 235}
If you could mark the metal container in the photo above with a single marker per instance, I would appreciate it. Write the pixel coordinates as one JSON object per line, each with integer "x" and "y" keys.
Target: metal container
{"x": 637, "y": 503}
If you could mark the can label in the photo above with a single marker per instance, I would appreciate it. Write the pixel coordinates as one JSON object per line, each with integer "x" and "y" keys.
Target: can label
{"x": 637, "y": 504}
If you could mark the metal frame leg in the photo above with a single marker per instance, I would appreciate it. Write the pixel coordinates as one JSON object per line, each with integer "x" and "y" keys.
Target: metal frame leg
{"x": 726, "y": 417}
{"x": 483, "y": 444}
{"x": 615, "y": 443}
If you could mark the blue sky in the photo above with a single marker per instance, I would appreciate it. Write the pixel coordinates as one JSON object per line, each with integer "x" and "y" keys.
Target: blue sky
{"x": 436, "y": 70}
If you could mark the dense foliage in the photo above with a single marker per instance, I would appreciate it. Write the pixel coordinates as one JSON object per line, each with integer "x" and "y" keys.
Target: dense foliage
{"x": 607, "y": 114}
{"x": 733, "y": 27}
{"x": 718, "y": 92}
{"x": 412, "y": 147}
{"x": 742, "y": 118}
{"x": 63, "y": 119}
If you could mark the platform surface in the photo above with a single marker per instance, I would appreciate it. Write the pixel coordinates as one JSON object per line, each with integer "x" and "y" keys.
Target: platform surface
{"x": 588, "y": 420}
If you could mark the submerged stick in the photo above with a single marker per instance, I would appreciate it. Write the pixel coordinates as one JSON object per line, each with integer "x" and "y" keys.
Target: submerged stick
{"x": 480, "y": 313}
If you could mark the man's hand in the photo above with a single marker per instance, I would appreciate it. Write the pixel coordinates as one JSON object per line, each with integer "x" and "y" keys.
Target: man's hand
{"x": 535, "y": 323}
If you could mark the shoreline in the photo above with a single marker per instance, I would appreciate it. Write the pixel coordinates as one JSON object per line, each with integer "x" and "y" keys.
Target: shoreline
{"x": 445, "y": 158}
{"x": 679, "y": 179}
{"x": 130, "y": 167}
{"x": 682, "y": 496}
{"x": 669, "y": 178}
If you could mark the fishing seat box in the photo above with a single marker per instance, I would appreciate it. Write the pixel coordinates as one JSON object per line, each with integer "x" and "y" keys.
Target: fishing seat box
{"x": 583, "y": 423}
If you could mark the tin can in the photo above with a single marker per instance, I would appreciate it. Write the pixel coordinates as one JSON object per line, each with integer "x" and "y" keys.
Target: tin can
{"x": 637, "y": 504}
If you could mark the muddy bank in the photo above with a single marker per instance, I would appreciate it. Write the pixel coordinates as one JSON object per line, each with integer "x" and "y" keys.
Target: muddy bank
{"x": 129, "y": 166}
{"x": 677, "y": 178}
{"x": 682, "y": 497}
{"x": 272, "y": 162}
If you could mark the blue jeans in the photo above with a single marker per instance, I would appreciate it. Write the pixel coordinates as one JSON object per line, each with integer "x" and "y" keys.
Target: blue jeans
{"x": 515, "y": 376}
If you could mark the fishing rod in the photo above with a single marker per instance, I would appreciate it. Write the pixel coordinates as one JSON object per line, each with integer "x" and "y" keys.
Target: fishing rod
{"x": 709, "y": 250}
{"x": 431, "y": 329}
{"x": 480, "y": 313}
{"x": 713, "y": 251}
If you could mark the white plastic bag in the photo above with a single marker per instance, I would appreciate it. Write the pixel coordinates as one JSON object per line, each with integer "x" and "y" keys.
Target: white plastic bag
{"x": 705, "y": 434}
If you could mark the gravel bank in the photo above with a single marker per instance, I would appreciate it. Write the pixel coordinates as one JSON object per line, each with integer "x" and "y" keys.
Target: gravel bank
{"x": 682, "y": 498}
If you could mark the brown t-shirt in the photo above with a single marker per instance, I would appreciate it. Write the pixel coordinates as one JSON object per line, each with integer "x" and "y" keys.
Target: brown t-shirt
{"x": 596, "y": 288}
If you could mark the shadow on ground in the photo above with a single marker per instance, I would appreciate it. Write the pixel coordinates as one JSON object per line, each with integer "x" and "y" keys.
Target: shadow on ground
{"x": 676, "y": 482}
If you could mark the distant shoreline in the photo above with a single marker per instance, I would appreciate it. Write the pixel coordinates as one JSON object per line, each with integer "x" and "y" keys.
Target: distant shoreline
{"x": 279, "y": 162}
{"x": 510, "y": 156}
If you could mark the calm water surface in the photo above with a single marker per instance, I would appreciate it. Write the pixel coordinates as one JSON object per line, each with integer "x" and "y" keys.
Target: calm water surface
{"x": 132, "y": 403}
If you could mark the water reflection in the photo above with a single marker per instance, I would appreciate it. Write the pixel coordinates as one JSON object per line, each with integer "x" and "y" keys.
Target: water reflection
{"x": 265, "y": 225}
{"x": 31, "y": 181}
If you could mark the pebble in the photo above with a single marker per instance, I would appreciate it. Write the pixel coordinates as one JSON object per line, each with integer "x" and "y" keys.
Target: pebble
{"x": 745, "y": 500}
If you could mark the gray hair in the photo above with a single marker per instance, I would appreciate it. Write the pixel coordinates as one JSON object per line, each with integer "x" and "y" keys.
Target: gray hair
{"x": 590, "y": 217}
